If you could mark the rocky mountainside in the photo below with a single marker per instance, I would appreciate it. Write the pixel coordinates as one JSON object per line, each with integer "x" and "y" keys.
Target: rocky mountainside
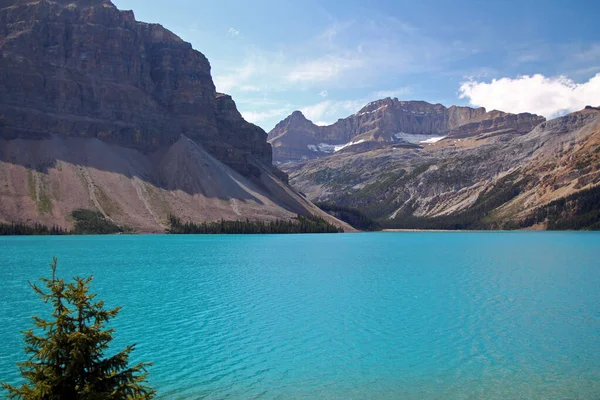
{"x": 486, "y": 180}
{"x": 389, "y": 121}
{"x": 98, "y": 110}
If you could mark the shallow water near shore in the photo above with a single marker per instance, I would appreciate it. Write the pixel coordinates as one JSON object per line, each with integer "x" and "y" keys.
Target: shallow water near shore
{"x": 419, "y": 315}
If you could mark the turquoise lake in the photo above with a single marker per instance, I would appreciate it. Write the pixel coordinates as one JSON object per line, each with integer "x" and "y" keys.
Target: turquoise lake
{"x": 355, "y": 316}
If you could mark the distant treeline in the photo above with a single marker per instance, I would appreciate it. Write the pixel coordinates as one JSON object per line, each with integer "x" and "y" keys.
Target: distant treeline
{"x": 351, "y": 216}
{"x": 475, "y": 217}
{"x": 90, "y": 222}
{"x": 300, "y": 224}
{"x": 30, "y": 230}
{"x": 87, "y": 222}
{"x": 579, "y": 211}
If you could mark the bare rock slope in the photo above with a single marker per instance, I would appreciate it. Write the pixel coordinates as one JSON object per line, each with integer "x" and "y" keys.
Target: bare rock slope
{"x": 98, "y": 110}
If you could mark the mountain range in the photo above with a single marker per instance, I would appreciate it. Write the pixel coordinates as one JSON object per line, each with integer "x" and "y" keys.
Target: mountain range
{"x": 104, "y": 113}
{"x": 99, "y": 111}
{"x": 420, "y": 165}
{"x": 390, "y": 121}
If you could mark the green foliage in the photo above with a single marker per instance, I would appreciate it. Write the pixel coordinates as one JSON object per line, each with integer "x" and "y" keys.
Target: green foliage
{"x": 67, "y": 353}
{"x": 418, "y": 170}
{"x": 93, "y": 222}
{"x": 45, "y": 203}
{"x": 502, "y": 192}
{"x": 451, "y": 175}
{"x": 579, "y": 211}
{"x": 375, "y": 200}
{"x": 332, "y": 176}
{"x": 31, "y": 185}
{"x": 351, "y": 216}
{"x": 381, "y": 188}
{"x": 583, "y": 164}
{"x": 86, "y": 222}
{"x": 379, "y": 199}
{"x": 301, "y": 224}
{"x": 28, "y": 230}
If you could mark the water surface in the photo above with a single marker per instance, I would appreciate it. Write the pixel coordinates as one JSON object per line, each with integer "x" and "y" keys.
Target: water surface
{"x": 354, "y": 316}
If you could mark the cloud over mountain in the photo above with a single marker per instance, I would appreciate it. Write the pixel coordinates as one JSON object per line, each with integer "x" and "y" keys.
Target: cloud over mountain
{"x": 547, "y": 96}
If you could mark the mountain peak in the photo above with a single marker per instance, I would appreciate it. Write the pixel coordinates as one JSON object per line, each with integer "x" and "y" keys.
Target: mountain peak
{"x": 296, "y": 118}
{"x": 297, "y": 115}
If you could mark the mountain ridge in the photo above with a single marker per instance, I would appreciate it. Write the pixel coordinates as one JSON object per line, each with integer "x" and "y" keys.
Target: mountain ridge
{"x": 381, "y": 122}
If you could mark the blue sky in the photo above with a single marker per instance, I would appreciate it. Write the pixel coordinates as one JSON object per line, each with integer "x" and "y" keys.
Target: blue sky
{"x": 329, "y": 58}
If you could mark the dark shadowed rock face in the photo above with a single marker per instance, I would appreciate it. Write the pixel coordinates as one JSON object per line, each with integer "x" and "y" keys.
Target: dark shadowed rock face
{"x": 382, "y": 121}
{"x": 84, "y": 68}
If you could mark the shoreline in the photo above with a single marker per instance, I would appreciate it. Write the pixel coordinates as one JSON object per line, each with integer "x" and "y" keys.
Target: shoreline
{"x": 430, "y": 230}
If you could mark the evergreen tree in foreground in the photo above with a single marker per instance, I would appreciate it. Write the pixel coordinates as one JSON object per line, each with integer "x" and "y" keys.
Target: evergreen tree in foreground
{"x": 67, "y": 353}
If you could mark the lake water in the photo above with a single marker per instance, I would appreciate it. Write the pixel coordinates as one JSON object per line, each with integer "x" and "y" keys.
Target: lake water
{"x": 353, "y": 316}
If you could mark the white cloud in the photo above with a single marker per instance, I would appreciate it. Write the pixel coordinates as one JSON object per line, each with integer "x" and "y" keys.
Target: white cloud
{"x": 256, "y": 117}
{"x": 317, "y": 110}
{"x": 233, "y": 32}
{"x": 550, "y": 97}
{"x": 259, "y": 71}
{"x": 401, "y": 92}
{"x": 225, "y": 83}
{"x": 323, "y": 69}
{"x": 328, "y": 111}
{"x": 324, "y": 93}
{"x": 339, "y": 57}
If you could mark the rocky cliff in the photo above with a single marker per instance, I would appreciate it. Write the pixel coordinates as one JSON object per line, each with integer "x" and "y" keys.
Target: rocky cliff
{"x": 98, "y": 110}
{"x": 389, "y": 121}
{"x": 86, "y": 69}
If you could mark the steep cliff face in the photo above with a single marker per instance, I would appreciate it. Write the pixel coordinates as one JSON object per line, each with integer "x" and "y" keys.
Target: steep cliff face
{"x": 388, "y": 121}
{"x": 86, "y": 69}
{"x": 99, "y": 111}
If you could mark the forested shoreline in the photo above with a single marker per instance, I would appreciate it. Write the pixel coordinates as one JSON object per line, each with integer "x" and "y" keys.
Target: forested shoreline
{"x": 575, "y": 212}
{"x": 300, "y": 224}
{"x": 89, "y": 222}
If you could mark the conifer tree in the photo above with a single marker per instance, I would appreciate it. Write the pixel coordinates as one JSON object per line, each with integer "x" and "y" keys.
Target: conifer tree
{"x": 67, "y": 353}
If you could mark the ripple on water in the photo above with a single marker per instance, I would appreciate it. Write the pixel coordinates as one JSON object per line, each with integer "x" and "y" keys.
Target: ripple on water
{"x": 387, "y": 316}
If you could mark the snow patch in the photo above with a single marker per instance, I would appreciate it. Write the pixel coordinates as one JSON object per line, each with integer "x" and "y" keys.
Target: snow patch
{"x": 331, "y": 148}
{"x": 343, "y": 146}
{"x": 372, "y": 112}
{"x": 432, "y": 140}
{"x": 418, "y": 139}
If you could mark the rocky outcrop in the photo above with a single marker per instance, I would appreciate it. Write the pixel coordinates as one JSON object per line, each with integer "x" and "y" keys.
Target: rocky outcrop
{"x": 83, "y": 68}
{"x": 386, "y": 121}
{"x": 497, "y": 121}
{"x": 292, "y": 136}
